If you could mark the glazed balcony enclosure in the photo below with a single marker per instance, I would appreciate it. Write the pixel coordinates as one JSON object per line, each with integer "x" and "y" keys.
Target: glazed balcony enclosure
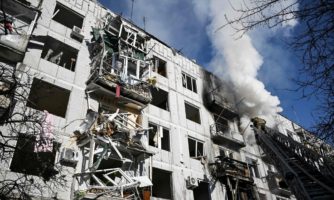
{"x": 17, "y": 21}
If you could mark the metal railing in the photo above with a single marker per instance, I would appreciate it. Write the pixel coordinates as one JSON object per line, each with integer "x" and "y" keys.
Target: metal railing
{"x": 225, "y": 166}
{"x": 218, "y": 129}
{"x": 308, "y": 156}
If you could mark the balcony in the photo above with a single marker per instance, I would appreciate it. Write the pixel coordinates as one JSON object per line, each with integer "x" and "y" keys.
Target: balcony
{"x": 277, "y": 184}
{"x": 222, "y": 134}
{"x": 225, "y": 167}
{"x": 218, "y": 104}
{"x": 120, "y": 72}
{"x": 17, "y": 23}
{"x": 133, "y": 94}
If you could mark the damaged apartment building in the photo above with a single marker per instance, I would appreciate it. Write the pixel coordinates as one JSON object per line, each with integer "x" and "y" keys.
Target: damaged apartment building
{"x": 125, "y": 116}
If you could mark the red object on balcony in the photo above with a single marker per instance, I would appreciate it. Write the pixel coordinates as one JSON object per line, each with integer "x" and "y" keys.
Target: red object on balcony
{"x": 118, "y": 91}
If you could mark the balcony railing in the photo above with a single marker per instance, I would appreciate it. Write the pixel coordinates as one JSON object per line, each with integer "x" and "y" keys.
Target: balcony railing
{"x": 228, "y": 167}
{"x": 222, "y": 134}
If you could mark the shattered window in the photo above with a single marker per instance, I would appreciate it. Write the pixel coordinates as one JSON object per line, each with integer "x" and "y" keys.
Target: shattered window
{"x": 62, "y": 14}
{"x": 46, "y": 96}
{"x": 60, "y": 53}
{"x": 189, "y": 82}
{"x": 192, "y": 113}
{"x": 159, "y": 137}
{"x": 160, "y": 66}
{"x": 28, "y": 160}
{"x": 195, "y": 148}
{"x": 162, "y": 183}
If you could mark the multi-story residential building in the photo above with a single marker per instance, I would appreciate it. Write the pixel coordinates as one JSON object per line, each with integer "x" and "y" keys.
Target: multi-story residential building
{"x": 127, "y": 116}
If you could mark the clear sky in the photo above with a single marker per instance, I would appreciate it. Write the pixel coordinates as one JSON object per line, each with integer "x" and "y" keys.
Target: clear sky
{"x": 184, "y": 25}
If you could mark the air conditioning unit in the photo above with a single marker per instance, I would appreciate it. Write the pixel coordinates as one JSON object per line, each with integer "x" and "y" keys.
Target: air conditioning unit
{"x": 68, "y": 157}
{"x": 191, "y": 182}
{"x": 76, "y": 33}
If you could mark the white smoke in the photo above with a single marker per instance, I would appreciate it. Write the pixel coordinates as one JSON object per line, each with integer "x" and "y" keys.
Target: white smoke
{"x": 237, "y": 62}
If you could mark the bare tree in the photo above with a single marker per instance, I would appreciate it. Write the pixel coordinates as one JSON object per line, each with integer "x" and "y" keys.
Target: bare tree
{"x": 313, "y": 42}
{"x": 20, "y": 131}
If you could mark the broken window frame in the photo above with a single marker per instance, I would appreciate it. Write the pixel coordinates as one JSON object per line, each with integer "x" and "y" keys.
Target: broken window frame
{"x": 196, "y": 119}
{"x": 56, "y": 56}
{"x": 162, "y": 132}
{"x": 35, "y": 92}
{"x": 157, "y": 62}
{"x": 70, "y": 11}
{"x": 253, "y": 167}
{"x": 197, "y": 154}
{"x": 189, "y": 82}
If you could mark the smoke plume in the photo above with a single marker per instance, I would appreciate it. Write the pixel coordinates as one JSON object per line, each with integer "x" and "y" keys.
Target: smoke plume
{"x": 237, "y": 62}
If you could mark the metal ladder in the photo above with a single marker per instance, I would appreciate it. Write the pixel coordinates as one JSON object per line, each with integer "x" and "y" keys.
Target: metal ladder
{"x": 308, "y": 174}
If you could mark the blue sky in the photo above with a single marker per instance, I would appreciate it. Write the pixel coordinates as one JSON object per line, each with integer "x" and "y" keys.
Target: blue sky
{"x": 182, "y": 25}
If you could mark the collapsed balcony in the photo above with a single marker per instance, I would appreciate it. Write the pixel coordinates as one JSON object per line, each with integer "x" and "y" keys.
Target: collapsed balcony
{"x": 111, "y": 183}
{"x": 120, "y": 69}
{"x": 225, "y": 168}
{"x": 277, "y": 185}
{"x": 223, "y": 135}
{"x": 17, "y": 22}
{"x": 112, "y": 147}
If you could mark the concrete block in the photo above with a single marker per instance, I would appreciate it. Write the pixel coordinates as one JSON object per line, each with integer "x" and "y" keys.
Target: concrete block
{"x": 79, "y": 2}
{"x": 58, "y": 28}
{"x": 32, "y": 57}
{"x": 65, "y": 74}
{"x": 91, "y": 6}
{"x": 85, "y": 6}
{"x": 48, "y": 67}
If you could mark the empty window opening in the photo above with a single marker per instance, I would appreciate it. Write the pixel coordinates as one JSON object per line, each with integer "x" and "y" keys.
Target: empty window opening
{"x": 159, "y": 98}
{"x": 67, "y": 17}
{"x": 159, "y": 137}
{"x": 202, "y": 192}
{"x": 195, "y": 148}
{"x": 253, "y": 168}
{"x": 160, "y": 66}
{"x": 60, "y": 53}
{"x": 282, "y": 184}
{"x": 46, "y": 96}
{"x": 189, "y": 82}
{"x": 222, "y": 152}
{"x": 26, "y": 160}
{"x": 162, "y": 184}
{"x": 132, "y": 68}
{"x": 192, "y": 113}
